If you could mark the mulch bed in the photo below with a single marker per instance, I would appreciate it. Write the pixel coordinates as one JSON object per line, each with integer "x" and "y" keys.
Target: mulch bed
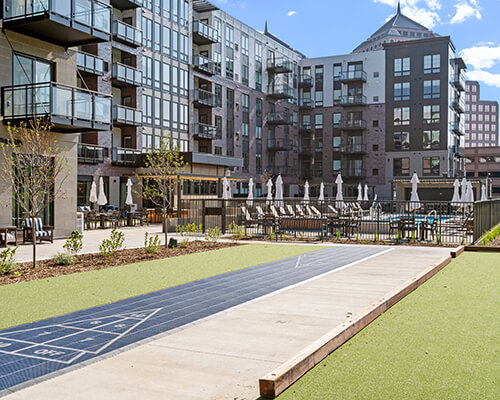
{"x": 495, "y": 242}
{"x": 94, "y": 261}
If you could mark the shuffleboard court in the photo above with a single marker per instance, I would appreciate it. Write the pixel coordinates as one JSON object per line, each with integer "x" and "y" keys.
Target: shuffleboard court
{"x": 30, "y": 351}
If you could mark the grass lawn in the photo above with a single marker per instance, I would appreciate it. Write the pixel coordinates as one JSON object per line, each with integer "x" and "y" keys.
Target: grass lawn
{"x": 440, "y": 342}
{"x": 35, "y": 300}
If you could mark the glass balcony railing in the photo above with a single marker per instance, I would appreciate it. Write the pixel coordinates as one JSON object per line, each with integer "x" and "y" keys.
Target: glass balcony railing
{"x": 353, "y": 124}
{"x": 354, "y": 148}
{"x": 457, "y": 127}
{"x": 68, "y": 108}
{"x": 306, "y": 104}
{"x": 279, "y": 144}
{"x": 305, "y": 127}
{"x": 203, "y": 98}
{"x": 205, "y": 131}
{"x": 64, "y": 22}
{"x": 204, "y": 64}
{"x": 355, "y": 100}
{"x": 306, "y": 81}
{"x": 353, "y": 172}
{"x": 203, "y": 33}
{"x": 127, "y": 157}
{"x": 123, "y": 115}
{"x": 125, "y": 75}
{"x": 458, "y": 104}
{"x": 127, "y": 34}
{"x": 278, "y": 118}
{"x": 90, "y": 63}
{"x": 91, "y": 154}
{"x": 279, "y": 65}
{"x": 279, "y": 91}
{"x": 458, "y": 80}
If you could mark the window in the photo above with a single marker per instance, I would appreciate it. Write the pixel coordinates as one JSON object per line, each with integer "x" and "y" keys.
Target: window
{"x": 229, "y": 36}
{"x": 175, "y": 44}
{"x": 157, "y": 73}
{"x": 244, "y": 44}
{"x": 402, "y": 66}
{"x": 375, "y": 147}
{"x": 402, "y": 116}
{"x": 432, "y": 89}
{"x": 432, "y": 114}
{"x": 258, "y": 80}
{"x": 217, "y": 23}
{"x": 336, "y": 119}
{"x": 375, "y": 123}
{"x": 402, "y": 91}
{"x": 166, "y": 40}
{"x": 337, "y": 70}
{"x": 229, "y": 68}
{"x": 375, "y": 99}
{"x": 218, "y": 95}
{"x": 157, "y": 111}
{"x": 218, "y": 128}
{"x": 244, "y": 129}
{"x": 147, "y": 32}
{"x": 147, "y": 66}
{"x": 183, "y": 82}
{"x": 401, "y": 167}
{"x": 430, "y": 166}
{"x": 184, "y": 48}
{"x": 375, "y": 74}
{"x": 375, "y": 171}
{"x": 166, "y": 113}
{"x": 258, "y": 51}
{"x": 175, "y": 80}
{"x": 336, "y": 166}
{"x": 431, "y": 139}
{"x": 258, "y": 132}
{"x": 401, "y": 140}
{"x": 147, "y": 109}
{"x": 166, "y": 77}
{"x": 244, "y": 74}
{"x": 318, "y": 121}
{"x": 157, "y": 37}
{"x": 318, "y": 98}
{"x": 29, "y": 70}
{"x": 319, "y": 75}
{"x": 432, "y": 64}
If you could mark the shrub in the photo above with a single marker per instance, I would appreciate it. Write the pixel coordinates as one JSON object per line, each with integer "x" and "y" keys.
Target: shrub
{"x": 438, "y": 238}
{"x": 213, "y": 235}
{"x": 338, "y": 234}
{"x": 74, "y": 243}
{"x": 398, "y": 237}
{"x": 236, "y": 230}
{"x": 183, "y": 243}
{"x": 64, "y": 258}
{"x": 151, "y": 244}
{"x": 272, "y": 234}
{"x": 7, "y": 264}
{"x": 110, "y": 246}
{"x": 375, "y": 237}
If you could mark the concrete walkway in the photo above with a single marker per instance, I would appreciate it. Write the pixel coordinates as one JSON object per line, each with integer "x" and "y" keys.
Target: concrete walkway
{"x": 223, "y": 356}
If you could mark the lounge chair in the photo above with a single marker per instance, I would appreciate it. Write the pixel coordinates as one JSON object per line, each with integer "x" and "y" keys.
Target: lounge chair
{"x": 42, "y": 232}
{"x": 315, "y": 211}
{"x": 8, "y": 235}
{"x": 430, "y": 224}
{"x": 290, "y": 210}
{"x": 300, "y": 211}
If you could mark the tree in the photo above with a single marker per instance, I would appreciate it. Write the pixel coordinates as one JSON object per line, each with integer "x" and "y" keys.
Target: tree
{"x": 163, "y": 166}
{"x": 34, "y": 169}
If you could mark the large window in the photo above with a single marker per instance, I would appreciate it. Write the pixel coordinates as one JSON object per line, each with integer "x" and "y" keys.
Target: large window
{"x": 432, "y": 64}
{"x": 402, "y": 116}
{"x": 318, "y": 121}
{"x": 229, "y": 36}
{"x": 244, "y": 44}
{"x": 147, "y": 32}
{"x": 432, "y": 89}
{"x": 432, "y": 114}
{"x": 258, "y": 51}
{"x": 402, "y": 66}
{"x": 166, "y": 40}
{"x": 401, "y": 140}
{"x": 431, "y": 139}
{"x": 401, "y": 167}
{"x": 29, "y": 70}
{"x": 336, "y": 119}
{"x": 430, "y": 166}
{"x": 402, "y": 91}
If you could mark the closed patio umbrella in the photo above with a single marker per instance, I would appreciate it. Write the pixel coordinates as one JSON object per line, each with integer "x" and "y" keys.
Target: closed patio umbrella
{"x": 279, "y": 191}
{"x": 101, "y": 199}
{"x": 321, "y": 192}
{"x": 226, "y": 190}
{"x": 365, "y": 197}
{"x": 269, "y": 197}
{"x": 93, "y": 193}
{"x": 360, "y": 192}
{"x": 483, "y": 192}
{"x": 129, "y": 201}
{"x": 250, "y": 193}
{"x": 463, "y": 197}
{"x": 306, "y": 192}
{"x": 340, "y": 197}
{"x": 456, "y": 195}
{"x": 470, "y": 192}
{"x": 414, "y": 199}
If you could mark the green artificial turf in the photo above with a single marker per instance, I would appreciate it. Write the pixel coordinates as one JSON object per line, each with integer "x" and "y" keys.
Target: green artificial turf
{"x": 440, "y": 342}
{"x": 35, "y": 300}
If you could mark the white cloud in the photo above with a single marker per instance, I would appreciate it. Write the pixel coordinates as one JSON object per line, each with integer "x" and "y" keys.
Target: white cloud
{"x": 466, "y": 10}
{"x": 423, "y": 16}
{"x": 481, "y": 57}
{"x": 484, "y": 77}
{"x": 290, "y": 13}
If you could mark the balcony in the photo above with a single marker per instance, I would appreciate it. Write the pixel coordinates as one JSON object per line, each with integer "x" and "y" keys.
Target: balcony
{"x": 458, "y": 80}
{"x": 205, "y": 131}
{"x": 306, "y": 150}
{"x": 125, "y": 75}
{"x": 458, "y": 152}
{"x": 305, "y": 127}
{"x": 91, "y": 154}
{"x": 356, "y": 100}
{"x": 127, "y": 34}
{"x": 279, "y": 118}
{"x": 204, "y": 65}
{"x": 278, "y": 65}
{"x": 351, "y": 76}
{"x": 127, "y": 157}
{"x": 353, "y": 172}
{"x": 279, "y": 144}
{"x": 284, "y": 170}
{"x": 203, "y": 98}
{"x": 64, "y": 22}
{"x": 126, "y": 116}
{"x": 279, "y": 91}
{"x": 354, "y": 148}
{"x": 89, "y": 63}
{"x": 458, "y": 104}
{"x": 204, "y": 34}
{"x": 352, "y": 124}
{"x": 126, "y": 4}
{"x": 69, "y": 109}
{"x": 457, "y": 128}
{"x": 306, "y": 104}
{"x": 306, "y": 82}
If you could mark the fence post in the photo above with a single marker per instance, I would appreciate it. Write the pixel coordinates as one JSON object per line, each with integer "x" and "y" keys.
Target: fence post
{"x": 223, "y": 216}
{"x": 203, "y": 222}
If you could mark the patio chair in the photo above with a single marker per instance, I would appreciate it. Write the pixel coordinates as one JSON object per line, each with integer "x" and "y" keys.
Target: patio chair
{"x": 290, "y": 210}
{"x": 283, "y": 212}
{"x": 8, "y": 235}
{"x": 300, "y": 211}
{"x": 332, "y": 210}
{"x": 42, "y": 232}
{"x": 353, "y": 224}
{"x": 90, "y": 218}
{"x": 248, "y": 221}
{"x": 142, "y": 217}
{"x": 315, "y": 211}
{"x": 430, "y": 224}
{"x": 407, "y": 225}
{"x": 274, "y": 212}
{"x": 260, "y": 213}
{"x": 113, "y": 219}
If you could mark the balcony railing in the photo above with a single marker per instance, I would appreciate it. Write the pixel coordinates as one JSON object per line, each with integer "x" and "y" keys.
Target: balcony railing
{"x": 278, "y": 118}
{"x": 203, "y": 98}
{"x": 458, "y": 151}
{"x": 458, "y": 80}
{"x": 279, "y": 65}
{"x": 351, "y": 76}
{"x": 64, "y": 22}
{"x": 353, "y": 124}
{"x": 204, "y": 34}
{"x": 127, "y": 157}
{"x": 126, "y": 4}
{"x": 91, "y": 154}
{"x": 305, "y": 127}
{"x": 458, "y": 104}
{"x": 355, "y": 100}
{"x": 127, "y": 34}
{"x": 306, "y": 104}
{"x": 353, "y": 172}
{"x": 457, "y": 128}
{"x": 125, "y": 75}
{"x": 68, "y": 108}
{"x": 204, "y": 64}
{"x": 123, "y": 115}
{"x": 306, "y": 149}
{"x": 354, "y": 148}
{"x": 284, "y": 170}
{"x": 279, "y": 91}
{"x": 279, "y": 144}
{"x": 90, "y": 63}
{"x": 306, "y": 81}
{"x": 204, "y": 131}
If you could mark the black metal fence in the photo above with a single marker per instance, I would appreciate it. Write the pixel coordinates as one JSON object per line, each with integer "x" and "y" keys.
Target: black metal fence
{"x": 391, "y": 221}
{"x": 486, "y": 216}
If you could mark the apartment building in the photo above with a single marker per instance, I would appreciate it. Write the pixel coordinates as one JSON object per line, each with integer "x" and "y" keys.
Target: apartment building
{"x": 484, "y": 163}
{"x": 481, "y": 118}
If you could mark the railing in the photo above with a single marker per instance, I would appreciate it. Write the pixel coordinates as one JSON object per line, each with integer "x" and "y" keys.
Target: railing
{"x": 486, "y": 216}
{"x": 458, "y": 104}
{"x": 204, "y": 97}
{"x": 279, "y": 90}
{"x": 457, "y": 127}
{"x": 305, "y": 127}
{"x": 354, "y": 148}
{"x": 127, "y": 33}
{"x": 91, "y": 154}
{"x": 306, "y": 103}
{"x": 279, "y": 144}
{"x": 127, "y": 115}
{"x": 205, "y": 131}
{"x": 205, "y": 31}
{"x": 127, "y": 157}
{"x": 306, "y": 81}
{"x": 55, "y": 100}
{"x": 126, "y": 4}
{"x": 127, "y": 74}
{"x": 282, "y": 169}
{"x": 353, "y": 172}
{"x": 353, "y": 124}
{"x": 346, "y": 76}
{"x": 204, "y": 64}
{"x": 279, "y": 65}
{"x": 277, "y": 118}
{"x": 458, "y": 81}
{"x": 90, "y": 63}
{"x": 353, "y": 100}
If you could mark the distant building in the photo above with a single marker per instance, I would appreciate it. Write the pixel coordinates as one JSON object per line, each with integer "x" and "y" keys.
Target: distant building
{"x": 481, "y": 118}
{"x": 484, "y": 163}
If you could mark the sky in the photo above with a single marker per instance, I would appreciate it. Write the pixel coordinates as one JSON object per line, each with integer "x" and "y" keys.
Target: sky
{"x": 332, "y": 27}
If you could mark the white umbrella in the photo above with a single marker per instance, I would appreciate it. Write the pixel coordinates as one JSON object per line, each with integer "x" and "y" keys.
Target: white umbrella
{"x": 360, "y": 192}
{"x": 456, "y": 195}
{"x": 463, "y": 197}
{"x": 483, "y": 192}
{"x": 129, "y": 201}
{"x": 414, "y": 199}
{"x": 101, "y": 199}
{"x": 269, "y": 192}
{"x": 374, "y": 203}
{"x": 250, "y": 193}
{"x": 226, "y": 189}
{"x": 279, "y": 191}
{"x": 470, "y": 192}
{"x": 321, "y": 192}
{"x": 365, "y": 198}
{"x": 93, "y": 193}
{"x": 306, "y": 192}
{"x": 340, "y": 198}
